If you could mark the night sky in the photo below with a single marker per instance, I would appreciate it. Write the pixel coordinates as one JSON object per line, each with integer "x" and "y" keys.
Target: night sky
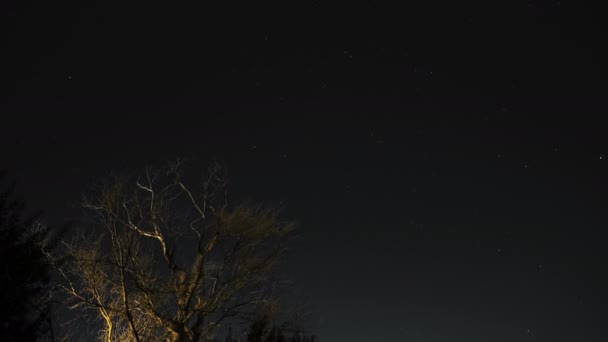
{"x": 446, "y": 164}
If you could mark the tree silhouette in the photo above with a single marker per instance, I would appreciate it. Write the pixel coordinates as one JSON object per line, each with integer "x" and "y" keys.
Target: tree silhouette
{"x": 165, "y": 261}
{"x": 24, "y": 289}
{"x": 262, "y": 330}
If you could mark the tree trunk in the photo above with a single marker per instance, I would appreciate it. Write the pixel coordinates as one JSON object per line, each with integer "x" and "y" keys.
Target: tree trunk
{"x": 176, "y": 337}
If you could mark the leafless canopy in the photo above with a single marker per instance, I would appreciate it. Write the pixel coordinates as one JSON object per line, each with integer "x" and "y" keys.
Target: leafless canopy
{"x": 165, "y": 261}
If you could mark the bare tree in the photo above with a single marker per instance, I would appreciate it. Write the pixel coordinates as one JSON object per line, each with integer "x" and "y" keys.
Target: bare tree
{"x": 165, "y": 261}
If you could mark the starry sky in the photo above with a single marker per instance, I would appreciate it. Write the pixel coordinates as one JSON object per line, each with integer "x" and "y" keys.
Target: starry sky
{"x": 446, "y": 164}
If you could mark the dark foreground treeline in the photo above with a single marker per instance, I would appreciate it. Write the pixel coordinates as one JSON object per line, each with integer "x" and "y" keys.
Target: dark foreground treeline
{"x": 25, "y": 310}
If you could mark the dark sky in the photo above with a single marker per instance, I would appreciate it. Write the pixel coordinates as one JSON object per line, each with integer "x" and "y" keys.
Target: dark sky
{"x": 446, "y": 163}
